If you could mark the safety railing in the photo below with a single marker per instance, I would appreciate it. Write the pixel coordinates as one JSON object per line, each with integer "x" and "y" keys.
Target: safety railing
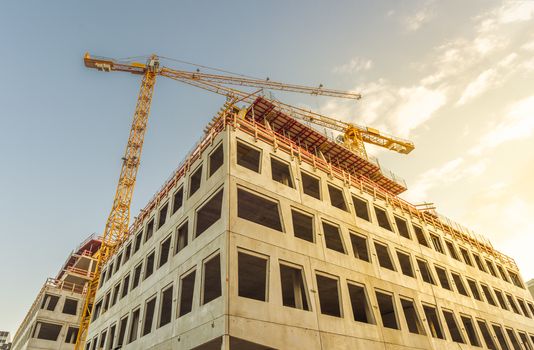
{"x": 363, "y": 184}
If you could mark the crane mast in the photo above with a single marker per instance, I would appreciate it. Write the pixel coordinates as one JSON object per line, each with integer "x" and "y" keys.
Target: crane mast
{"x": 119, "y": 217}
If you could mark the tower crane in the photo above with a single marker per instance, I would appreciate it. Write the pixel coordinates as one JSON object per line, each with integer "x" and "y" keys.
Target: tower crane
{"x": 117, "y": 224}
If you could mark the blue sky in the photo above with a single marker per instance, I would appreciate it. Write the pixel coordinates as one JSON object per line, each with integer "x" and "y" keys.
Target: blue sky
{"x": 453, "y": 76}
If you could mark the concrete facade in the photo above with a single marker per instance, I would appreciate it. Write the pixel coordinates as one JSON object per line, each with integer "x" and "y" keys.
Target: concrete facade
{"x": 295, "y": 287}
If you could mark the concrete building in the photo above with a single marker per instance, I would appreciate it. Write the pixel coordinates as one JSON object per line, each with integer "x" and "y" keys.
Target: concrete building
{"x": 5, "y": 343}
{"x": 530, "y": 286}
{"x": 272, "y": 236}
{"x": 53, "y": 319}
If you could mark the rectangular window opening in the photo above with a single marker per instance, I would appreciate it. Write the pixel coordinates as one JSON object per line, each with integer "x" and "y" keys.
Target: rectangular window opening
{"x": 187, "y": 288}
{"x": 194, "y": 181}
{"x": 248, "y": 157}
{"x": 177, "y": 199}
{"x": 137, "y": 276}
{"x": 332, "y": 237}
{"x": 454, "y": 331}
{"x": 336, "y": 198}
{"x": 149, "y": 265}
{"x": 182, "y": 237}
{"x": 443, "y": 279}
{"x": 361, "y": 207}
{"x": 466, "y": 256}
{"x": 49, "y": 302}
{"x": 149, "y": 316}
{"x": 386, "y": 308}
{"x": 134, "y": 326}
{"x": 452, "y": 250}
{"x": 302, "y": 226}
{"x": 259, "y": 210}
{"x": 486, "y": 334}
{"x": 252, "y": 276}
{"x": 72, "y": 334}
{"x": 209, "y": 213}
{"x": 405, "y": 264}
{"x": 500, "y": 337}
{"x": 281, "y": 173}
{"x": 329, "y": 299}
{"x": 474, "y": 289}
{"x": 125, "y": 286}
{"x": 384, "y": 259}
{"x": 164, "y": 251}
{"x": 311, "y": 185}
{"x": 487, "y": 293}
{"x": 149, "y": 229}
{"x": 513, "y": 339}
{"x": 433, "y": 321}
{"x": 216, "y": 160}
{"x": 359, "y": 247}
{"x": 436, "y": 241}
{"x": 162, "y": 216}
{"x": 70, "y": 306}
{"x": 138, "y": 241}
{"x": 122, "y": 331}
{"x": 361, "y": 310}
{"x": 412, "y": 318}
{"x": 293, "y": 288}
{"x": 382, "y": 218}
{"x": 501, "y": 300}
{"x": 47, "y": 331}
{"x": 426, "y": 275}
{"x": 212, "y": 279}
{"x": 165, "y": 311}
{"x": 470, "y": 330}
{"x": 420, "y": 235}
{"x": 458, "y": 281}
{"x": 402, "y": 227}
{"x": 512, "y": 303}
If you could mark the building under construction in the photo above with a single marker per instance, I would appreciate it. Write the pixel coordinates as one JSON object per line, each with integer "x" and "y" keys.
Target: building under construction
{"x": 54, "y": 317}
{"x": 270, "y": 235}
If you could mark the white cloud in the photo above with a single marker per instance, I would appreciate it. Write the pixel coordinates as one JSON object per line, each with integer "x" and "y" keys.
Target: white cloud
{"x": 518, "y": 123}
{"x": 417, "y": 105}
{"x": 355, "y": 65}
{"x": 450, "y": 172}
{"x": 417, "y": 20}
{"x": 478, "y": 86}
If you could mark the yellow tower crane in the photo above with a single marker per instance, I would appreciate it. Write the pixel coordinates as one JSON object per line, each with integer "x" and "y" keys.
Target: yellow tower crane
{"x": 117, "y": 225}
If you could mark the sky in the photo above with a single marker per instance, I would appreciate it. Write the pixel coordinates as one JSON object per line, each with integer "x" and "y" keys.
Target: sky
{"x": 455, "y": 77}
